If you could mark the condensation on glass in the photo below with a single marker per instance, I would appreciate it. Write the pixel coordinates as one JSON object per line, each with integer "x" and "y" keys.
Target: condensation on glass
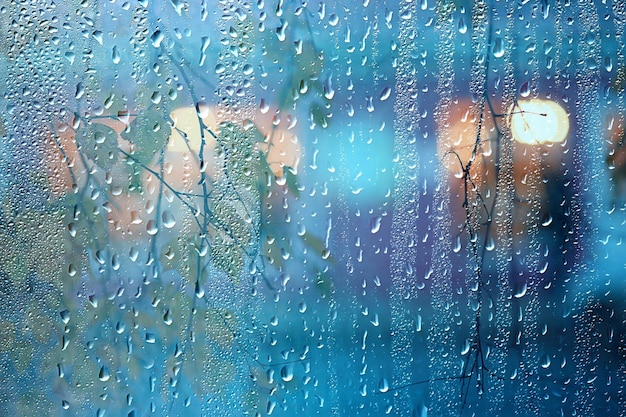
{"x": 226, "y": 208}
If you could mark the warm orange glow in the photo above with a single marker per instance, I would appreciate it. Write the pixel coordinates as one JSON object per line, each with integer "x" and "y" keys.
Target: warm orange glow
{"x": 280, "y": 145}
{"x": 458, "y": 144}
{"x": 62, "y": 143}
{"x": 280, "y": 142}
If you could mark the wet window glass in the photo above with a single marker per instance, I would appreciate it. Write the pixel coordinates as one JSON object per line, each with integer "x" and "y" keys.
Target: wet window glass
{"x": 275, "y": 207}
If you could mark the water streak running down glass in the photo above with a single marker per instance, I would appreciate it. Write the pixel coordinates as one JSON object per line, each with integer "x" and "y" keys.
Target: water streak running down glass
{"x": 231, "y": 207}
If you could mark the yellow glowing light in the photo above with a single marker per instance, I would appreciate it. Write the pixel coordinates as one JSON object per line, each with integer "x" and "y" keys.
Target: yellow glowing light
{"x": 538, "y": 121}
{"x": 187, "y": 120}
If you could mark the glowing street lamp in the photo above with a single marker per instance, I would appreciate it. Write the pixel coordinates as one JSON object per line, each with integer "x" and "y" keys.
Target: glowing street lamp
{"x": 538, "y": 121}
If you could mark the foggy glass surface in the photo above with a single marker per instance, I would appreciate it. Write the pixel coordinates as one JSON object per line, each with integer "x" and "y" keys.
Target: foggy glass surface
{"x": 226, "y": 208}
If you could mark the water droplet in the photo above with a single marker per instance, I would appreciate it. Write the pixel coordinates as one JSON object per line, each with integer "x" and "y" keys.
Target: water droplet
{"x": 247, "y": 69}
{"x": 498, "y": 48}
{"x": 156, "y": 97}
{"x": 303, "y": 87}
{"x": 520, "y": 291}
{"x": 115, "y": 55}
{"x": 286, "y": 373}
{"x": 104, "y": 374}
{"x": 465, "y": 348}
{"x": 329, "y": 92}
{"x": 80, "y": 91}
{"x": 156, "y": 38}
{"x": 115, "y": 262}
{"x": 462, "y": 26}
{"x": 178, "y": 6}
{"x": 98, "y": 36}
{"x": 608, "y": 63}
{"x": 375, "y": 224}
{"x": 383, "y": 385}
{"x": 168, "y": 218}
{"x": 524, "y": 90}
{"x": 271, "y": 404}
{"x": 199, "y": 291}
{"x": 592, "y": 64}
{"x": 590, "y": 37}
{"x": 384, "y": 95}
{"x": 65, "y": 342}
{"x": 457, "y": 245}
{"x": 546, "y": 220}
{"x": 70, "y": 56}
{"x": 282, "y": 30}
{"x": 120, "y": 327}
{"x": 152, "y": 227}
{"x": 167, "y": 317}
{"x": 65, "y": 316}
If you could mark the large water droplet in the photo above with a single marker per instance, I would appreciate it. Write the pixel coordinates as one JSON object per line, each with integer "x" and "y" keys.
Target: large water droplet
{"x": 286, "y": 373}
{"x": 120, "y": 327}
{"x": 65, "y": 316}
{"x": 520, "y": 291}
{"x": 462, "y": 26}
{"x": 329, "y": 92}
{"x": 383, "y": 385}
{"x": 156, "y": 38}
{"x": 152, "y": 227}
{"x": 457, "y": 245}
{"x": 490, "y": 244}
{"x": 168, "y": 218}
{"x": 498, "y": 48}
{"x": 115, "y": 55}
{"x": 199, "y": 291}
{"x": 384, "y": 95}
{"x": 375, "y": 224}
{"x": 104, "y": 374}
{"x": 524, "y": 90}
